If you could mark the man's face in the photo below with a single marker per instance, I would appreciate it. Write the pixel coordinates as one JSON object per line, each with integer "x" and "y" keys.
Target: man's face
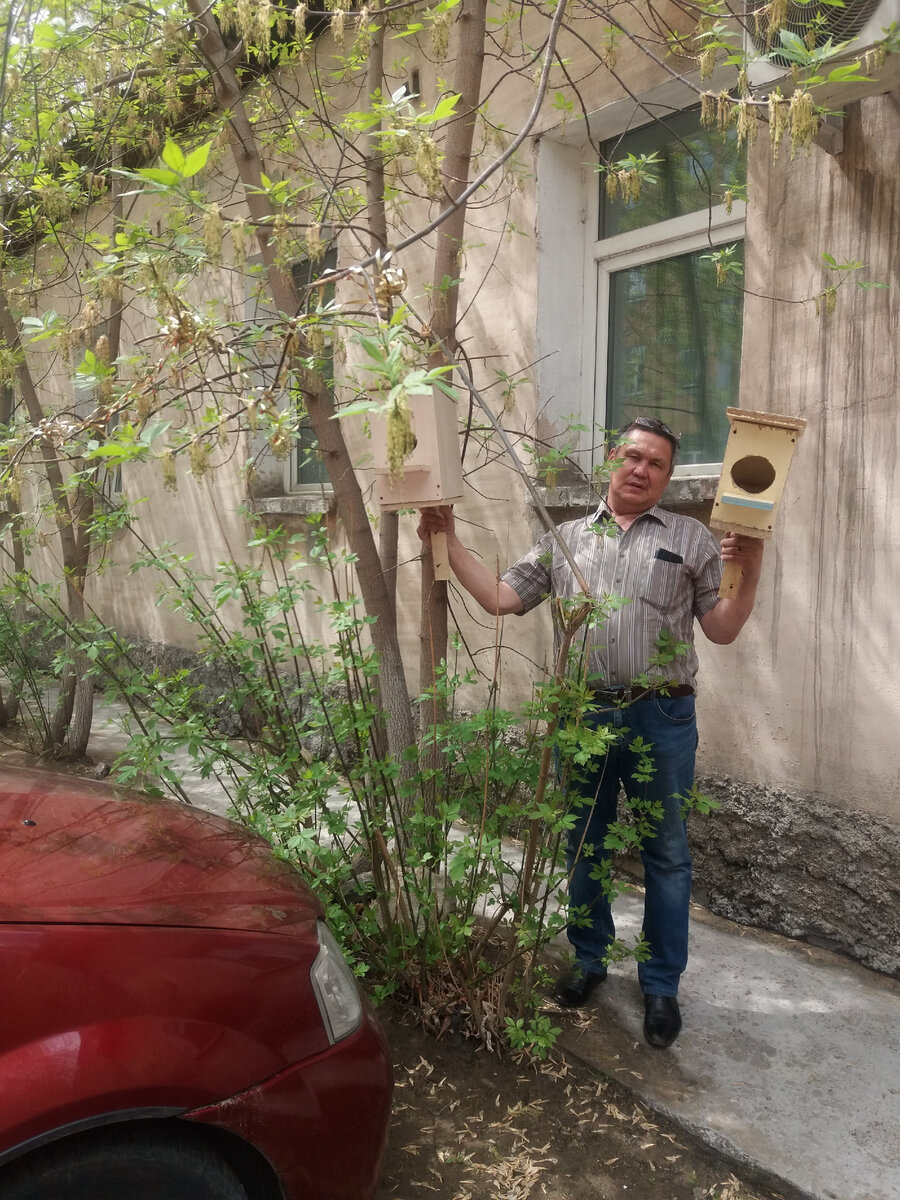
{"x": 641, "y": 480}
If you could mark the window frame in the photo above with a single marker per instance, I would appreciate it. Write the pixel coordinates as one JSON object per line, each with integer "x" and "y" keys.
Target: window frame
{"x": 572, "y": 333}
{"x": 293, "y": 485}
{"x": 313, "y": 496}
{"x": 701, "y": 230}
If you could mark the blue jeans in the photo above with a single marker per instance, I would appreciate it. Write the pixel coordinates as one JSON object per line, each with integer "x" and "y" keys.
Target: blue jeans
{"x": 669, "y": 725}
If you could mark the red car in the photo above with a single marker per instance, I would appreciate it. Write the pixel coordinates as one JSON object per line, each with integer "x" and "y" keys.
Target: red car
{"x": 176, "y": 1020}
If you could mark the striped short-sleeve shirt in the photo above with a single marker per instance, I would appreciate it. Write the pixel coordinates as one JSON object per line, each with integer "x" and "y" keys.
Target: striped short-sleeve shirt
{"x": 666, "y": 566}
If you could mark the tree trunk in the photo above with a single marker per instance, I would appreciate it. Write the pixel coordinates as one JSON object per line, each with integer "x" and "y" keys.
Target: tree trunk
{"x": 319, "y": 402}
{"x": 71, "y": 552}
{"x": 9, "y": 704}
{"x": 455, "y": 173}
{"x": 74, "y": 716}
{"x": 376, "y": 218}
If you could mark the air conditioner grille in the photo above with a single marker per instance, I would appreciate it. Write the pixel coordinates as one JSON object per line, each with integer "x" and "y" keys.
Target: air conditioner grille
{"x": 839, "y": 24}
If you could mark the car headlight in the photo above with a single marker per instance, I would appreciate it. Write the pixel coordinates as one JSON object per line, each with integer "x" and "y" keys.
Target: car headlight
{"x": 335, "y": 988}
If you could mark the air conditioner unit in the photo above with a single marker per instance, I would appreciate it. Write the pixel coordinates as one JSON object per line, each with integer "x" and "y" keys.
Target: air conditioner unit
{"x": 863, "y": 23}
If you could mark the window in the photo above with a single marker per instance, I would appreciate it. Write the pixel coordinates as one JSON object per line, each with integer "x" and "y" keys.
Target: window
{"x": 658, "y": 336}
{"x": 673, "y": 338}
{"x": 303, "y": 471}
{"x": 307, "y": 468}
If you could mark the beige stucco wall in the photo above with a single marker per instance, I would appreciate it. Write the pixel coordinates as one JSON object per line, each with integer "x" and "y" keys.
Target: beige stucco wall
{"x": 205, "y": 518}
{"x": 809, "y": 698}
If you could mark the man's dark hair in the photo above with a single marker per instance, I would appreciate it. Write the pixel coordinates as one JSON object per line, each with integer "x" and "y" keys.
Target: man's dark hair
{"x": 651, "y": 425}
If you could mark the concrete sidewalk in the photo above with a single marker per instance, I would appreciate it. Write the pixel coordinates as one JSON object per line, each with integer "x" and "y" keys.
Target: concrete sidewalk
{"x": 789, "y": 1060}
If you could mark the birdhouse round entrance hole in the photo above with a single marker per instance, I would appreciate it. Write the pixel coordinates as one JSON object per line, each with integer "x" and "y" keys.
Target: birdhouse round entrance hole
{"x": 753, "y": 473}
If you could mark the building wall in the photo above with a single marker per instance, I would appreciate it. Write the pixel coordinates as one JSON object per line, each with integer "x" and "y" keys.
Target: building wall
{"x": 799, "y": 717}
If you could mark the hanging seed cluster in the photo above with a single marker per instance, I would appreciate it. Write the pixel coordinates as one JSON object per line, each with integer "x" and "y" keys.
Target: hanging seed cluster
{"x": 826, "y": 301}
{"x": 440, "y": 34}
{"x": 626, "y": 182}
{"x": 240, "y": 242}
{"x": 428, "y": 164}
{"x": 796, "y": 116}
{"x": 212, "y": 234}
{"x": 169, "y": 471}
{"x": 391, "y": 281}
{"x": 769, "y": 18}
{"x": 401, "y": 441}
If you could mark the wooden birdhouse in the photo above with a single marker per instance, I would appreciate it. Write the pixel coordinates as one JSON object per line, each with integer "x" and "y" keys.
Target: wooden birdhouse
{"x": 431, "y": 474}
{"x": 757, "y": 458}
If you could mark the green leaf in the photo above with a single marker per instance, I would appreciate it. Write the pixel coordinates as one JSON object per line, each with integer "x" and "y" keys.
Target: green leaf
{"x": 46, "y": 35}
{"x": 196, "y": 160}
{"x": 852, "y": 264}
{"x": 173, "y": 157}
{"x": 444, "y": 108}
{"x": 109, "y": 450}
{"x": 848, "y": 73}
{"x": 358, "y": 407}
{"x": 153, "y": 430}
{"x": 791, "y": 41}
{"x": 446, "y": 389}
{"x": 362, "y": 120}
{"x": 460, "y": 863}
{"x": 408, "y": 30}
{"x": 373, "y": 348}
{"x": 157, "y": 175}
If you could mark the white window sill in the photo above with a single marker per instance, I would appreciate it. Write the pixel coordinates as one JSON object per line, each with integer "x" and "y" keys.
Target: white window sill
{"x": 294, "y": 504}
{"x": 683, "y": 491}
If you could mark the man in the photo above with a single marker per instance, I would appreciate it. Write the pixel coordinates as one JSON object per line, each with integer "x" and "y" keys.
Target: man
{"x": 669, "y": 568}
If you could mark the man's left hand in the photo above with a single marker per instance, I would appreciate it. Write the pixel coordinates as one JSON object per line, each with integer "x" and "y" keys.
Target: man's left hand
{"x": 747, "y": 552}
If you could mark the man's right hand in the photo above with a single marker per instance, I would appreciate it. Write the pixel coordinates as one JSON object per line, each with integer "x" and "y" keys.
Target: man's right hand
{"x": 436, "y": 519}
{"x": 494, "y": 596}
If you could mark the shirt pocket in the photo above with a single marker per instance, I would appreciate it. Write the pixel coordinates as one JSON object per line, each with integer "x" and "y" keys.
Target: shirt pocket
{"x": 661, "y": 583}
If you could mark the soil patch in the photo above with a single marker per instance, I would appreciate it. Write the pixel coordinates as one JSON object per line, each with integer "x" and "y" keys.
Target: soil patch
{"x": 470, "y": 1126}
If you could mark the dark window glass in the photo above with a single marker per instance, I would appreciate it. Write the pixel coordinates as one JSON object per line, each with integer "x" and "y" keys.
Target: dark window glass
{"x": 675, "y": 351}
{"x": 309, "y": 468}
{"x": 696, "y": 166}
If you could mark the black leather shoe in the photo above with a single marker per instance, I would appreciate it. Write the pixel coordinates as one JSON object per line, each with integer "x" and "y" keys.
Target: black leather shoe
{"x": 662, "y": 1020}
{"x": 575, "y": 986}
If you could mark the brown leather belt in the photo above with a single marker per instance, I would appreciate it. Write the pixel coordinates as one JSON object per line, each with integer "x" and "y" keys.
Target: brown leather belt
{"x": 630, "y": 695}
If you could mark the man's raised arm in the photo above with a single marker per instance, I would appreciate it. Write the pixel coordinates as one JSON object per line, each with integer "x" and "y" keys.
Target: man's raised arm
{"x": 494, "y": 596}
{"x": 723, "y": 623}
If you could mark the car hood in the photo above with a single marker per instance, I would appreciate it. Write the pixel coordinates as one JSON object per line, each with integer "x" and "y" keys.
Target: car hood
{"x": 76, "y": 851}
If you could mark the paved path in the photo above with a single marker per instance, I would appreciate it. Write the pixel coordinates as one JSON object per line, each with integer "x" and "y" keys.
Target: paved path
{"x": 108, "y": 741}
{"x": 789, "y": 1059}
